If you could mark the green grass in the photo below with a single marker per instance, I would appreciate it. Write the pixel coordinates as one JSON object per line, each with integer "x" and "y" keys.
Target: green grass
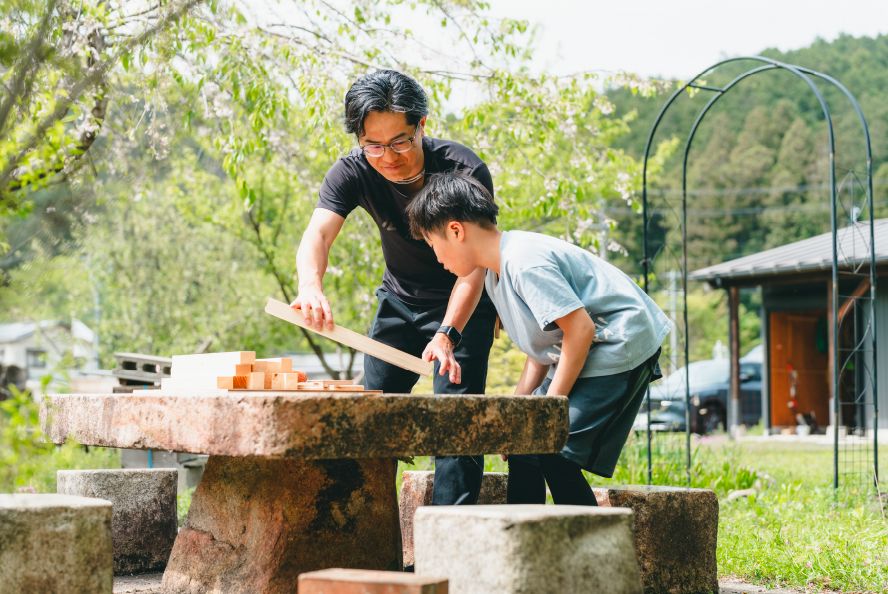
{"x": 794, "y": 533}
{"x": 798, "y": 531}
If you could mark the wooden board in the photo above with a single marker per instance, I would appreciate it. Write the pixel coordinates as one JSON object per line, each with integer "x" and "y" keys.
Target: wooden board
{"x": 352, "y": 339}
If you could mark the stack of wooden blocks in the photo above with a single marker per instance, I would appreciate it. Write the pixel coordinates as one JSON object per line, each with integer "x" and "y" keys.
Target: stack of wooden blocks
{"x": 277, "y": 374}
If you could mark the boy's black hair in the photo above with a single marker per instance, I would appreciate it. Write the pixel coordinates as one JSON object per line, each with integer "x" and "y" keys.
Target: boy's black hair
{"x": 450, "y": 197}
{"x": 384, "y": 90}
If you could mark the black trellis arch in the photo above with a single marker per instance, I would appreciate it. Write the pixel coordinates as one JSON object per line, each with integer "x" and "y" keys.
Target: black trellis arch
{"x": 808, "y": 76}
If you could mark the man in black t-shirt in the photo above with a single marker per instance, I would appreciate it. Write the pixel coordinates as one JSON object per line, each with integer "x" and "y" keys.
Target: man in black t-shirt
{"x": 387, "y": 111}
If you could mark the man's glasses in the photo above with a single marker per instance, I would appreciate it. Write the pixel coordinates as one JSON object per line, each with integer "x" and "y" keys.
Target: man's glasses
{"x": 399, "y": 146}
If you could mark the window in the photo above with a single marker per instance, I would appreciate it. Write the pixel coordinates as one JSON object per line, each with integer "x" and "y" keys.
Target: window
{"x": 36, "y": 359}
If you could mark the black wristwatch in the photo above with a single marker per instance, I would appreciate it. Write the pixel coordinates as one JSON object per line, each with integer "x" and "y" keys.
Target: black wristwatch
{"x": 452, "y": 333}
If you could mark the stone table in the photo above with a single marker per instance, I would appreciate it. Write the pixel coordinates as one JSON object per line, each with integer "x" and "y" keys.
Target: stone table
{"x": 298, "y": 482}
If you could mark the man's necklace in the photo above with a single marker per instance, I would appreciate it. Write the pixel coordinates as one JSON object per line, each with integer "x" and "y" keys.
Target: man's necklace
{"x": 411, "y": 180}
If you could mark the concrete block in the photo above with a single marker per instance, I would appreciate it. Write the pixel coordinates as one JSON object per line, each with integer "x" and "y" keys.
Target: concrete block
{"x": 416, "y": 491}
{"x": 55, "y": 543}
{"x": 675, "y": 531}
{"x": 143, "y": 522}
{"x": 366, "y": 581}
{"x": 528, "y": 549}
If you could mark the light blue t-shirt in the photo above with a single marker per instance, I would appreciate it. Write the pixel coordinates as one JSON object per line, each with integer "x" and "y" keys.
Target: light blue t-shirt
{"x": 543, "y": 279}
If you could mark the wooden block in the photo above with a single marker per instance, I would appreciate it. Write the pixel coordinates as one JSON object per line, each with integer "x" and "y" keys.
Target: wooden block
{"x": 267, "y": 382}
{"x": 256, "y": 380}
{"x": 310, "y": 386}
{"x": 303, "y": 377}
{"x": 247, "y": 357}
{"x": 347, "y": 388}
{"x": 367, "y": 581}
{"x": 237, "y": 382}
{"x": 286, "y": 365}
{"x": 243, "y": 369}
{"x": 359, "y": 342}
{"x": 277, "y": 381}
{"x": 260, "y": 366}
{"x": 290, "y": 381}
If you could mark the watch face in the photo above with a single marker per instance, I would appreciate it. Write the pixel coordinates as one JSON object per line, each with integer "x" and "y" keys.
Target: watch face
{"x": 451, "y": 333}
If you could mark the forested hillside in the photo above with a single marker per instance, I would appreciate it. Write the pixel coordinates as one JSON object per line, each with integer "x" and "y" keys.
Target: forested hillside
{"x": 758, "y": 166}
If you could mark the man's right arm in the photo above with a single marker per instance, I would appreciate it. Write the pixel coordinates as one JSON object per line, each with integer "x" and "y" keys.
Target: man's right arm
{"x": 311, "y": 264}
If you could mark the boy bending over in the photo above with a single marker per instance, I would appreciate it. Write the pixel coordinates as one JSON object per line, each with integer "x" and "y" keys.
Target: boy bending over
{"x": 588, "y": 330}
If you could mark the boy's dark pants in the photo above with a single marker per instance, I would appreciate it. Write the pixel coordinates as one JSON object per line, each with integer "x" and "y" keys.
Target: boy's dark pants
{"x": 602, "y": 412}
{"x": 410, "y": 328}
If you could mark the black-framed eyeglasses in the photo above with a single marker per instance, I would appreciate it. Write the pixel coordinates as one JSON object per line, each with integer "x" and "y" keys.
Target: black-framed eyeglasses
{"x": 398, "y": 146}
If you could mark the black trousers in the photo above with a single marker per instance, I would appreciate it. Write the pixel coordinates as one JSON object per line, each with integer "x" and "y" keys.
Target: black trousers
{"x": 410, "y": 328}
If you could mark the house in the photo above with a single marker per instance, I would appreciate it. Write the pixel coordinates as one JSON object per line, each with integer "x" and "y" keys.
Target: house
{"x": 797, "y": 326}
{"x": 40, "y": 348}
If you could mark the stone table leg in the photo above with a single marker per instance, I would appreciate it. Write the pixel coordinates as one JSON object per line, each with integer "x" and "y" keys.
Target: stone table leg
{"x": 255, "y": 524}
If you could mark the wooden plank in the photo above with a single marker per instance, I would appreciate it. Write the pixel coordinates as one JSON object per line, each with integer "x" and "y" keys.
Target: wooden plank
{"x": 352, "y": 339}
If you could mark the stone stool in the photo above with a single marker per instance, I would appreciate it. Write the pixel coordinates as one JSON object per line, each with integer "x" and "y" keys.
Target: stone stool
{"x": 528, "y": 549}
{"x": 416, "y": 491}
{"x": 676, "y": 530}
{"x": 55, "y": 543}
{"x": 143, "y": 522}
{"x": 367, "y": 581}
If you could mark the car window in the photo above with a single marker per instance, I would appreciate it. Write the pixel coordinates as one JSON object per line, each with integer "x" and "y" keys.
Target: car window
{"x": 752, "y": 372}
{"x": 703, "y": 373}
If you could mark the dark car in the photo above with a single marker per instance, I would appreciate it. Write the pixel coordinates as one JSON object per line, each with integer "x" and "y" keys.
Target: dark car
{"x": 709, "y": 387}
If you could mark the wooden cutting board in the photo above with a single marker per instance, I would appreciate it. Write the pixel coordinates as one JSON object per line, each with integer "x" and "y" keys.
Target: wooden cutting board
{"x": 352, "y": 339}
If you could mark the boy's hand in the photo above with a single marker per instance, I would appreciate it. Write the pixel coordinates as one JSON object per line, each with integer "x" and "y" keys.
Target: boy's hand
{"x": 441, "y": 349}
{"x": 313, "y": 304}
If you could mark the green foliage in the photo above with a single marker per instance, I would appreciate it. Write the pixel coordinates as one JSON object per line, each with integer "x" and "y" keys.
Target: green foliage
{"x": 27, "y": 461}
{"x": 209, "y": 165}
{"x": 758, "y": 167}
{"x": 183, "y": 503}
{"x": 55, "y": 60}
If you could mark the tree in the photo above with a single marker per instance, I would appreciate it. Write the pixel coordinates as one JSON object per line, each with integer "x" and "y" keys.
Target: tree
{"x": 55, "y": 62}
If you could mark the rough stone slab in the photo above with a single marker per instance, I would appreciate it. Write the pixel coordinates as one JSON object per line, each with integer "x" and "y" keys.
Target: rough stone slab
{"x": 676, "y": 530}
{"x": 55, "y": 543}
{"x": 146, "y": 583}
{"x": 255, "y": 524}
{"x": 528, "y": 549}
{"x": 318, "y": 426}
{"x": 416, "y": 491}
{"x": 143, "y": 522}
{"x": 365, "y": 581}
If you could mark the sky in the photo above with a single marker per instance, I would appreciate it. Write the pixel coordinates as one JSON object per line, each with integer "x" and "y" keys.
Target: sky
{"x": 679, "y": 38}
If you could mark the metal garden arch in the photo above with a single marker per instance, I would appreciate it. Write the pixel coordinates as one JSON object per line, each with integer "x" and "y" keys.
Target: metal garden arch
{"x": 808, "y": 76}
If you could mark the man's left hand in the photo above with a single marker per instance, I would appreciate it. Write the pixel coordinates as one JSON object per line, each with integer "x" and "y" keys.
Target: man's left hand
{"x": 441, "y": 349}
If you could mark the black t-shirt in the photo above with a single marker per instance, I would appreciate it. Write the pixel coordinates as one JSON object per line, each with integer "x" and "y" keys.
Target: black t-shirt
{"x": 412, "y": 271}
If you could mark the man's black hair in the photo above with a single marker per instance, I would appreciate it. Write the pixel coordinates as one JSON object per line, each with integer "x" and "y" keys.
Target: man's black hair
{"x": 384, "y": 90}
{"x": 450, "y": 197}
